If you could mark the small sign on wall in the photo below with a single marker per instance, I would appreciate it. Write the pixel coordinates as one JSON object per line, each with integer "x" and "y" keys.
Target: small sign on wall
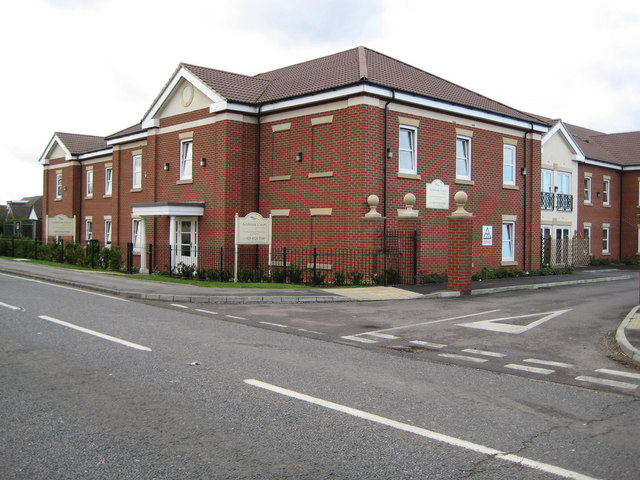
{"x": 487, "y": 235}
{"x": 438, "y": 195}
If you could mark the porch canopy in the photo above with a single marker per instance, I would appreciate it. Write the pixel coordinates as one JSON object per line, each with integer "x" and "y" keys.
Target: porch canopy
{"x": 172, "y": 210}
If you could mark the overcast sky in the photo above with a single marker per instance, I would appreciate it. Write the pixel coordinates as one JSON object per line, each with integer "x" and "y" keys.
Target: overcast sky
{"x": 95, "y": 66}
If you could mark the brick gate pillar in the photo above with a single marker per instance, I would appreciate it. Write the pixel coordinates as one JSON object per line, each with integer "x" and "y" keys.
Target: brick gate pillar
{"x": 460, "y": 251}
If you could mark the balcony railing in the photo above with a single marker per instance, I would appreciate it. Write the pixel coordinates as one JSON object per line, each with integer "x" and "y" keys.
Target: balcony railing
{"x": 547, "y": 201}
{"x": 564, "y": 202}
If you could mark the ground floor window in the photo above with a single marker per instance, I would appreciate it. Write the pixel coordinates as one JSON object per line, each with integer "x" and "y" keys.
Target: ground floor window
{"x": 136, "y": 234}
{"x": 605, "y": 240}
{"x": 508, "y": 241}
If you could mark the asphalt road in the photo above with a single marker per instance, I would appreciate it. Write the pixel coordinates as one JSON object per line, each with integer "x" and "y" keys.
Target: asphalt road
{"x": 143, "y": 392}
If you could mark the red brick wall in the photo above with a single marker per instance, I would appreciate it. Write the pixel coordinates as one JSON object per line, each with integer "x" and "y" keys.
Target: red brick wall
{"x": 630, "y": 213}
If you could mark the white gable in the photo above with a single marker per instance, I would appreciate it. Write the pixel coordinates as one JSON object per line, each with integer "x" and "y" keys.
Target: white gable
{"x": 184, "y": 98}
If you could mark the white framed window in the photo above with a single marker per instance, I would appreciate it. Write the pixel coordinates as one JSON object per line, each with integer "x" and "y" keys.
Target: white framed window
{"x": 186, "y": 159}
{"x": 108, "y": 181}
{"x": 509, "y": 164}
{"x": 606, "y": 192}
{"x": 463, "y": 158}
{"x": 508, "y": 241}
{"x": 88, "y": 228}
{"x": 586, "y": 233}
{"x": 408, "y": 150}
{"x": 90, "y": 183}
{"x": 638, "y": 239}
{"x": 58, "y": 185}
{"x": 107, "y": 233}
{"x": 587, "y": 189}
{"x": 564, "y": 198}
{"x": 605, "y": 239}
{"x": 136, "y": 234}
{"x": 136, "y": 172}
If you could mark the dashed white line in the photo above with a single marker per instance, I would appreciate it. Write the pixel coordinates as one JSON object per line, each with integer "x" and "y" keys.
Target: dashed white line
{"x": 466, "y": 358}
{"x": 619, "y": 373}
{"x": 235, "y": 318}
{"x": 427, "y": 344}
{"x": 423, "y": 432}
{"x": 607, "y": 382}
{"x": 178, "y": 305}
{"x": 206, "y": 311}
{"x": 273, "y": 324}
{"x": 10, "y": 307}
{"x": 381, "y": 335}
{"x": 525, "y": 368}
{"x": 548, "y": 363}
{"x": 484, "y": 352}
{"x": 355, "y": 338}
{"x": 94, "y": 333}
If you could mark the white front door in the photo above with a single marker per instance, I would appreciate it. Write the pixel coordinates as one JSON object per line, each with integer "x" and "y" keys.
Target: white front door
{"x": 186, "y": 241}
{"x": 562, "y": 245}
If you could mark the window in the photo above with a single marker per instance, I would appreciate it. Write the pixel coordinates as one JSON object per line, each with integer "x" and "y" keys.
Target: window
{"x": 136, "y": 234}
{"x": 108, "y": 180}
{"x": 587, "y": 189}
{"x": 58, "y": 185}
{"x": 508, "y": 242}
{"x": 136, "y": 175}
{"x": 605, "y": 240}
{"x": 463, "y": 158}
{"x": 547, "y": 189}
{"x": 508, "y": 164}
{"x": 89, "y": 183}
{"x": 88, "y": 224}
{"x": 606, "y": 184}
{"x": 408, "y": 151}
{"x": 586, "y": 233}
{"x": 564, "y": 199}
{"x": 107, "y": 233}
{"x": 186, "y": 154}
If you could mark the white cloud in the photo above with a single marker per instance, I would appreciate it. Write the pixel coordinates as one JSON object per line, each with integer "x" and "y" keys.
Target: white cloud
{"x": 95, "y": 66}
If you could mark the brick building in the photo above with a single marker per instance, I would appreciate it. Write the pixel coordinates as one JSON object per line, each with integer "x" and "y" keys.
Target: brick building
{"x": 308, "y": 145}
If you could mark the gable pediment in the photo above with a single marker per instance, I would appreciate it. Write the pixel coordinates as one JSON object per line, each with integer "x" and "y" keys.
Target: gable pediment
{"x": 184, "y": 98}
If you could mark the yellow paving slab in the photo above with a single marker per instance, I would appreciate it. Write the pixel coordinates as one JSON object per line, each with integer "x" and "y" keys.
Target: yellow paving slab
{"x": 634, "y": 324}
{"x": 374, "y": 293}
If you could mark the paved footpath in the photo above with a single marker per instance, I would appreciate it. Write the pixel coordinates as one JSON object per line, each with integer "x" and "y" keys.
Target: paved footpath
{"x": 128, "y": 286}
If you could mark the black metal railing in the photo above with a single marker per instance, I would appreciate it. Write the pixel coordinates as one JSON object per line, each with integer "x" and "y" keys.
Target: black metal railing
{"x": 547, "y": 201}
{"x": 564, "y": 202}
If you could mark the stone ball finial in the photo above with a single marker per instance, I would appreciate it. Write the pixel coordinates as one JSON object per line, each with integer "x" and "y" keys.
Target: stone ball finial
{"x": 461, "y": 199}
{"x": 373, "y": 201}
{"x": 409, "y": 200}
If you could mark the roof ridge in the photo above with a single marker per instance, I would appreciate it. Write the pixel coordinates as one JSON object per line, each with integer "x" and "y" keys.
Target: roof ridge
{"x": 362, "y": 63}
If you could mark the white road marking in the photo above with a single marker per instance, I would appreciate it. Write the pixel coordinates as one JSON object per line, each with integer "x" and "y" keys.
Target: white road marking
{"x": 484, "y": 352}
{"x": 605, "y": 381}
{"x": 178, "y": 305}
{"x": 272, "y": 324}
{"x": 466, "y": 358}
{"x": 206, "y": 311}
{"x": 548, "y": 362}
{"x": 493, "y": 325}
{"x": 427, "y": 344}
{"x": 235, "y": 318}
{"x": 525, "y": 368}
{"x": 619, "y": 373}
{"x": 381, "y": 335}
{"x": 65, "y": 287}
{"x": 94, "y": 333}
{"x": 10, "y": 307}
{"x": 310, "y": 331}
{"x": 359, "y": 339}
{"x": 423, "y": 432}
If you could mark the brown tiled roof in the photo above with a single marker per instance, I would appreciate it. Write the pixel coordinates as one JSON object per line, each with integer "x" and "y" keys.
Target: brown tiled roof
{"x": 77, "y": 144}
{"x": 625, "y": 147}
{"x": 358, "y": 65}
{"x": 127, "y": 131}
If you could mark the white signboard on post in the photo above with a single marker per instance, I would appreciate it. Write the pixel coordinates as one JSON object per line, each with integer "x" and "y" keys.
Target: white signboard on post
{"x": 252, "y": 229}
{"x": 438, "y": 195}
{"x": 61, "y": 226}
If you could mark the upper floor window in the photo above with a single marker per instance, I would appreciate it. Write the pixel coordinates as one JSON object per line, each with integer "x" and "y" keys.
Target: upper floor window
{"x": 463, "y": 158}
{"x": 587, "y": 189}
{"x": 136, "y": 175}
{"x": 509, "y": 164}
{"x": 108, "y": 181}
{"x": 186, "y": 159}
{"x": 89, "y": 183}
{"x": 564, "y": 200}
{"x": 408, "y": 150}
{"x": 58, "y": 185}
{"x": 606, "y": 187}
{"x": 546, "y": 185}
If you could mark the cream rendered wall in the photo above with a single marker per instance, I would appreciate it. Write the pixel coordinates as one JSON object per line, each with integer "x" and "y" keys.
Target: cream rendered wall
{"x": 184, "y": 98}
{"x": 557, "y": 155}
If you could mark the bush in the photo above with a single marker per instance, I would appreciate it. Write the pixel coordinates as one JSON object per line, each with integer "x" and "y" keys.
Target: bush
{"x": 339, "y": 279}
{"x": 185, "y": 271}
{"x": 427, "y": 278}
{"x": 296, "y": 274}
{"x": 248, "y": 275}
{"x": 356, "y": 277}
{"x": 317, "y": 277}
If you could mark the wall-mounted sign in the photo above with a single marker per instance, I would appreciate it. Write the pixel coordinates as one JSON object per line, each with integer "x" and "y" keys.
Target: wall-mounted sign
{"x": 438, "y": 195}
{"x": 253, "y": 229}
{"x": 61, "y": 226}
{"x": 487, "y": 235}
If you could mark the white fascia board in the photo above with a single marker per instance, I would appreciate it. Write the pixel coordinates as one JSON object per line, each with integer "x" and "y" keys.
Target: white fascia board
{"x": 182, "y": 73}
{"x": 98, "y": 153}
{"x": 128, "y": 138}
{"x": 632, "y": 168}
{"x": 560, "y": 128}
{"x": 223, "y": 105}
{"x": 597, "y": 163}
{"x": 167, "y": 211}
{"x": 54, "y": 140}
